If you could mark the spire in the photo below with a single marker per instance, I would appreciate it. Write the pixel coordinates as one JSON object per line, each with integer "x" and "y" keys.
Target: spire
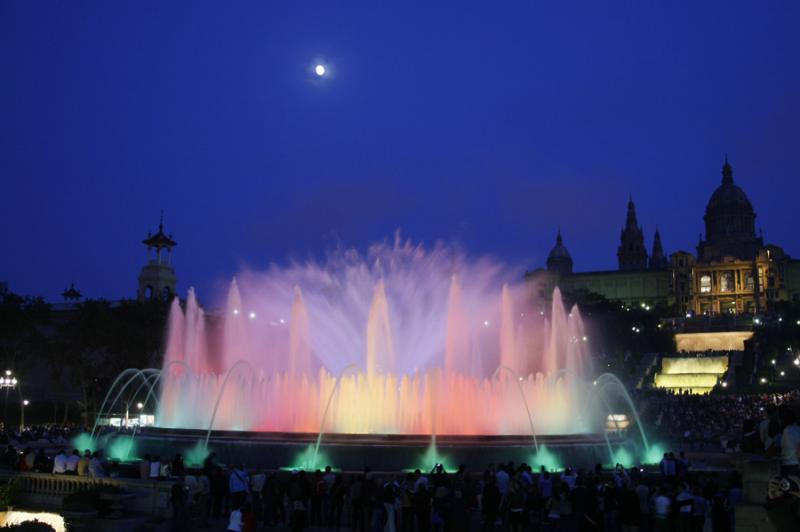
{"x": 630, "y": 221}
{"x": 161, "y": 221}
{"x": 559, "y": 241}
{"x": 657, "y": 259}
{"x": 727, "y": 172}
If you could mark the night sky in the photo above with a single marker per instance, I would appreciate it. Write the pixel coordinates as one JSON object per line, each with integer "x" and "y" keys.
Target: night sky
{"x": 487, "y": 126}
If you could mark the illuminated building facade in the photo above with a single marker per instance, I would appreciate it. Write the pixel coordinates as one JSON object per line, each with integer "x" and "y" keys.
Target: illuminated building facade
{"x": 733, "y": 272}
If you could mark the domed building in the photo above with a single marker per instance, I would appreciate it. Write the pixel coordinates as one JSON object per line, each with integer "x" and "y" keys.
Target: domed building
{"x": 734, "y": 272}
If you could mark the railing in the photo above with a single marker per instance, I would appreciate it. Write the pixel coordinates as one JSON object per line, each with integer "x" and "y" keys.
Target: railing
{"x": 46, "y": 491}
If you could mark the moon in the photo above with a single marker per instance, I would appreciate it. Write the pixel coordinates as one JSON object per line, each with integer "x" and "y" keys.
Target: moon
{"x": 319, "y": 70}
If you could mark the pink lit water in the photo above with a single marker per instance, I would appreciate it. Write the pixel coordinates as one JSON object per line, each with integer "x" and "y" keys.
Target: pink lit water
{"x": 416, "y": 334}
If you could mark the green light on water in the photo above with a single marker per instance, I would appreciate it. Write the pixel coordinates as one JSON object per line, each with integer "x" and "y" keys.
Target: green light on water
{"x": 309, "y": 460}
{"x": 654, "y": 454}
{"x": 196, "y": 455}
{"x": 545, "y": 458}
{"x": 122, "y": 448}
{"x": 83, "y": 441}
{"x": 624, "y": 457}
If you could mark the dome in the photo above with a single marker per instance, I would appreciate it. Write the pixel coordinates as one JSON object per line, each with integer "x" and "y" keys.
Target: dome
{"x": 559, "y": 258}
{"x": 728, "y": 198}
{"x": 730, "y": 221}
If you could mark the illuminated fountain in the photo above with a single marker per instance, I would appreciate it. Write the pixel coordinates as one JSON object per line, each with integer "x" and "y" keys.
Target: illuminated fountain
{"x": 403, "y": 340}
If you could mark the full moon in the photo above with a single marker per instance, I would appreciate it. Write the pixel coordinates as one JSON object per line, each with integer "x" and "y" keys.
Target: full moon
{"x": 319, "y": 70}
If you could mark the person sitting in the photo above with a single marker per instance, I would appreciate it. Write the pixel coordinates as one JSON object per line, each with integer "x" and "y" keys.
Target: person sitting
{"x": 96, "y": 466}
{"x": 72, "y": 462}
{"x": 83, "y": 463}
{"x": 60, "y": 463}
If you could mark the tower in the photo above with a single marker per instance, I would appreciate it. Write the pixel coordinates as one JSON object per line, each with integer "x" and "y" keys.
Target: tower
{"x": 71, "y": 294}
{"x": 631, "y": 253}
{"x": 657, "y": 259}
{"x": 559, "y": 259}
{"x": 157, "y": 278}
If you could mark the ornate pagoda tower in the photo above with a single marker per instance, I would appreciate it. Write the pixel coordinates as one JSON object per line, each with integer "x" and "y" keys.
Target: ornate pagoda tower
{"x": 157, "y": 279}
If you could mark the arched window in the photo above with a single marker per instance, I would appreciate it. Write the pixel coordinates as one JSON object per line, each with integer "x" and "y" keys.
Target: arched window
{"x": 165, "y": 293}
{"x": 726, "y": 283}
{"x": 705, "y": 284}
{"x": 148, "y": 292}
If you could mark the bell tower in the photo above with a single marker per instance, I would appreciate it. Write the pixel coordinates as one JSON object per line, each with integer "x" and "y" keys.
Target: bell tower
{"x": 631, "y": 253}
{"x": 157, "y": 279}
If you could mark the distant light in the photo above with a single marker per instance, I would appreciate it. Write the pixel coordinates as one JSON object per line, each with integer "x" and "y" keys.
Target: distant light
{"x": 319, "y": 70}
{"x": 773, "y": 361}
{"x": 252, "y": 315}
{"x": 14, "y": 381}
{"x": 724, "y": 384}
{"x": 26, "y": 402}
{"x": 756, "y": 321}
{"x": 8, "y": 371}
{"x": 585, "y": 339}
{"x": 797, "y": 361}
{"x": 788, "y": 348}
{"x": 520, "y": 379}
{"x": 688, "y": 315}
{"x": 783, "y": 373}
{"x": 595, "y": 383}
{"x": 780, "y": 320}
{"x": 798, "y": 322}
{"x": 139, "y": 405}
{"x": 236, "y": 311}
{"x": 282, "y": 321}
{"x": 541, "y": 313}
{"x": 763, "y": 380}
{"x": 485, "y": 323}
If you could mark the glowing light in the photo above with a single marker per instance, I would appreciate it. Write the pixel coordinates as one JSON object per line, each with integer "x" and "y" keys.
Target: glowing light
{"x": 14, "y": 381}
{"x": 797, "y": 361}
{"x": 773, "y": 361}
{"x": 724, "y": 384}
{"x": 763, "y": 380}
{"x": 783, "y": 373}
{"x": 26, "y": 402}
{"x": 236, "y": 312}
{"x": 139, "y": 405}
{"x": 319, "y": 70}
{"x": 486, "y": 323}
{"x": 8, "y": 371}
{"x": 252, "y": 315}
{"x": 585, "y": 339}
{"x": 282, "y": 321}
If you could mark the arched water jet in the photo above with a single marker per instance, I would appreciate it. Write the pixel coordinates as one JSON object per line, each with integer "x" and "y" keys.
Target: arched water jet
{"x": 221, "y": 392}
{"x": 615, "y": 381}
{"x": 518, "y": 379}
{"x": 137, "y": 373}
{"x": 327, "y": 407}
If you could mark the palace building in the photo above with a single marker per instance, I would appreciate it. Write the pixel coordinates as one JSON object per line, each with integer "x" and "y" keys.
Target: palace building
{"x": 732, "y": 272}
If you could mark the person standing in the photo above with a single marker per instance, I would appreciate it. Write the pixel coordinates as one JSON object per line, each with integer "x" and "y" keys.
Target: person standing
{"x": 790, "y": 441}
{"x": 238, "y": 483}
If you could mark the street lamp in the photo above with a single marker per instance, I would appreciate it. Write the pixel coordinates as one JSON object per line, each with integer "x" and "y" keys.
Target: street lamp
{"x": 139, "y": 405}
{"x": 25, "y": 403}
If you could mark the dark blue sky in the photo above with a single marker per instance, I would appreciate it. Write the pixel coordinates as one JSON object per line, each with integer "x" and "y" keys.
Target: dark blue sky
{"x": 486, "y": 125}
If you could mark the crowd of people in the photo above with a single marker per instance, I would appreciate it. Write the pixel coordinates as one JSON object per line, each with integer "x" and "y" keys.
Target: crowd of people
{"x": 504, "y": 497}
{"x": 706, "y": 422}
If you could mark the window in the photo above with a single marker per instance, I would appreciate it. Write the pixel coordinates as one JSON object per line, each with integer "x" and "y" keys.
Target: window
{"x": 705, "y": 284}
{"x": 726, "y": 283}
{"x": 749, "y": 281}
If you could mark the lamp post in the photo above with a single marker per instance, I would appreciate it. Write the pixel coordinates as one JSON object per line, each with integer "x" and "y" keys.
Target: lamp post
{"x": 22, "y": 406}
{"x": 8, "y": 382}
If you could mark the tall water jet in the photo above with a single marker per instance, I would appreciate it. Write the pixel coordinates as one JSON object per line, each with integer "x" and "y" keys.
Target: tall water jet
{"x": 380, "y": 347}
{"x": 299, "y": 350}
{"x": 508, "y": 348}
{"x": 456, "y": 347}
